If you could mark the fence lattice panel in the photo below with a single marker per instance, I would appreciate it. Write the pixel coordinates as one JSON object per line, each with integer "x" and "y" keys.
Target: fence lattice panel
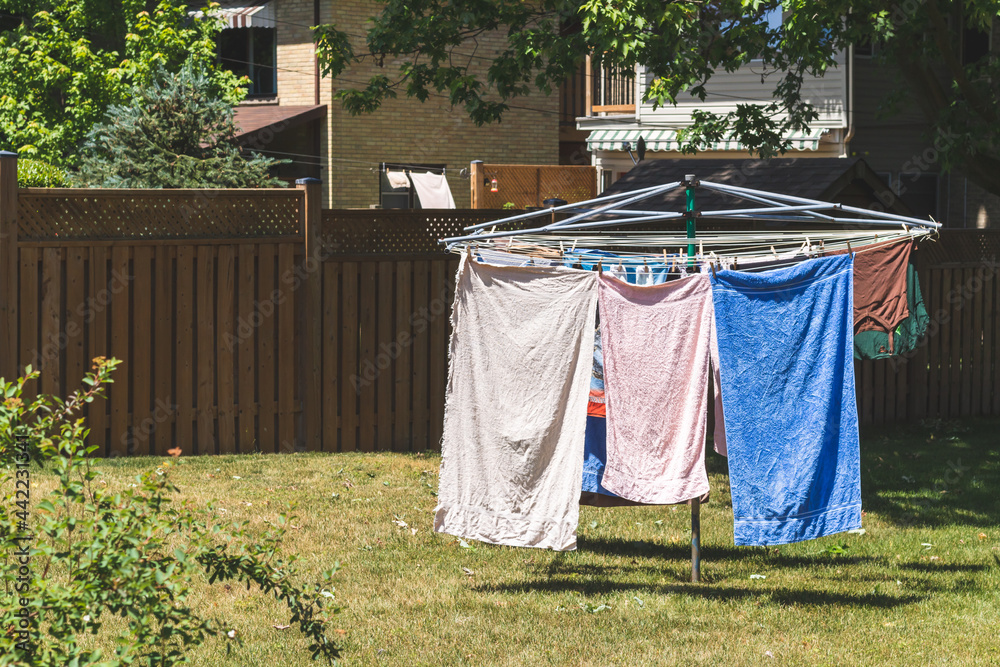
{"x": 46, "y": 214}
{"x": 388, "y": 232}
{"x": 530, "y": 185}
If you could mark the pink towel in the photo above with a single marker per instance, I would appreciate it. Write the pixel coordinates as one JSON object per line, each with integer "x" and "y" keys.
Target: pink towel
{"x": 657, "y": 348}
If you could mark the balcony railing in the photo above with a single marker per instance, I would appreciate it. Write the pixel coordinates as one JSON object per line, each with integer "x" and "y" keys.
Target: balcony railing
{"x": 612, "y": 90}
{"x": 592, "y": 92}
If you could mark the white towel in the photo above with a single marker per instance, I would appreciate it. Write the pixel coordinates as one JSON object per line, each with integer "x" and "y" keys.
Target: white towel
{"x": 520, "y": 360}
{"x": 398, "y": 179}
{"x": 433, "y": 190}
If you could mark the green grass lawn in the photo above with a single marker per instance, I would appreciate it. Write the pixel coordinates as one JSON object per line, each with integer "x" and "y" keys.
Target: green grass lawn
{"x": 920, "y": 586}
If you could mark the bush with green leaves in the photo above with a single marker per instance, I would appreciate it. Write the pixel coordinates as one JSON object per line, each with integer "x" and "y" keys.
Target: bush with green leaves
{"x": 133, "y": 554}
{"x": 38, "y": 174}
{"x": 66, "y": 61}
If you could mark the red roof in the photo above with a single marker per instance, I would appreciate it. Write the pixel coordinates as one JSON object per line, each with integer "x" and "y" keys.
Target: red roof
{"x": 254, "y": 118}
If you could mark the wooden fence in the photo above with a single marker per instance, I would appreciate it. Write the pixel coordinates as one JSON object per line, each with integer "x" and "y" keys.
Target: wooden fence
{"x": 955, "y": 372}
{"x": 525, "y": 185}
{"x": 252, "y": 321}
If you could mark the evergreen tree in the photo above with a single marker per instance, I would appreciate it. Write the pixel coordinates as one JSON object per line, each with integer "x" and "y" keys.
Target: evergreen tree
{"x": 178, "y": 132}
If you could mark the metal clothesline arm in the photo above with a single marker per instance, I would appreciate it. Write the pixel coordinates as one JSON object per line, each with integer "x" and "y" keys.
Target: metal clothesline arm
{"x": 851, "y": 209}
{"x": 548, "y": 228}
{"x": 548, "y": 211}
{"x": 752, "y": 195}
{"x": 625, "y": 202}
{"x": 773, "y": 209}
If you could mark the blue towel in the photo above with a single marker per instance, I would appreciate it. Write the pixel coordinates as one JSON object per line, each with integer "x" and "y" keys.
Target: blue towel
{"x": 595, "y": 440}
{"x": 785, "y": 354}
{"x": 595, "y": 455}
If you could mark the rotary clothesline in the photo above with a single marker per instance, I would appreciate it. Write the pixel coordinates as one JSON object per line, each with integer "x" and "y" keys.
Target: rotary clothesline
{"x": 824, "y": 229}
{"x": 823, "y": 224}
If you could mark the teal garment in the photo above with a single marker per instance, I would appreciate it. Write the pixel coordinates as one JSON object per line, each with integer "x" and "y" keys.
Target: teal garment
{"x": 906, "y": 337}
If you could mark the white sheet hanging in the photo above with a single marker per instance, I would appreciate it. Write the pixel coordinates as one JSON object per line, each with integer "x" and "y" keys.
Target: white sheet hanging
{"x": 433, "y": 190}
{"x": 516, "y": 406}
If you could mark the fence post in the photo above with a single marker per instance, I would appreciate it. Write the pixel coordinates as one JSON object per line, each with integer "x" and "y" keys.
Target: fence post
{"x": 476, "y": 175}
{"x": 311, "y": 353}
{"x": 8, "y": 265}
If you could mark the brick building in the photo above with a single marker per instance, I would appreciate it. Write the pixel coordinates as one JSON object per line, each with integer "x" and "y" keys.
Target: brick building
{"x": 291, "y": 112}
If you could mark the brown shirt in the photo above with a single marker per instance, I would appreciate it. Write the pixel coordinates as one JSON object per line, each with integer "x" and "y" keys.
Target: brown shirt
{"x": 880, "y": 286}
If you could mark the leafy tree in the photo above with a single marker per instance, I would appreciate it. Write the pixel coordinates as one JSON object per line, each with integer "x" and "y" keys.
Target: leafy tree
{"x": 65, "y": 62}
{"x": 176, "y": 132}
{"x": 682, "y": 45}
{"x": 119, "y": 564}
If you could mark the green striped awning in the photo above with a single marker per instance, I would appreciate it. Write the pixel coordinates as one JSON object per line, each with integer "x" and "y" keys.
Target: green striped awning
{"x": 666, "y": 140}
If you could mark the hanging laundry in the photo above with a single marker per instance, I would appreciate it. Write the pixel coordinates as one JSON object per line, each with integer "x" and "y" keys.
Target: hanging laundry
{"x": 504, "y": 258}
{"x": 621, "y": 273}
{"x": 595, "y": 447}
{"x": 643, "y": 275}
{"x": 516, "y": 405}
{"x": 397, "y": 179}
{"x": 587, "y": 259}
{"x": 880, "y": 287}
{"x": 788, "y": 390}
{"x": 906, "y": 337}
{"x": 433, "y": 190}
{"x": 595, "y": 438}
{"x": 657, "y": 344}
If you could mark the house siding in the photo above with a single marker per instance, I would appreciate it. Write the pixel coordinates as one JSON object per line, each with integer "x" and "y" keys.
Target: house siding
{"x": 728, "y": 89}
{"x": 404, "y": 130}
{"x": 887, "y": 144}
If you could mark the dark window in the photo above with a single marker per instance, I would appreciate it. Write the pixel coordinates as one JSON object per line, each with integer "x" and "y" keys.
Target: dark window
{"x": 975, "y": 45}
{"x": 864, "y": 49}
{"x": 251, "y": 52}
{"x": 406, "y": 197}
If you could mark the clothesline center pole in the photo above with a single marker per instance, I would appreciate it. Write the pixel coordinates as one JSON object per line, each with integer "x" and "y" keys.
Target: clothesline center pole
{"x": 690, "y": 183}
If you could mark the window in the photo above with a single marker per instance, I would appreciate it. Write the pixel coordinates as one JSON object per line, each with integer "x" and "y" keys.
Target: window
{"x": 251, "y": 52}
{"x": 403, "y": 197}
{"x": 975, "y": 45}
{"x": 864, "y": 49}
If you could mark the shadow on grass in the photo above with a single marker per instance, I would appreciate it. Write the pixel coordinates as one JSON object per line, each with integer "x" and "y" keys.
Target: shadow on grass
{"x": 713, "y": 553}
{"x": 706, "y": 591}
{"x": 943, "y": 567}
{"x": 940, "y": 474}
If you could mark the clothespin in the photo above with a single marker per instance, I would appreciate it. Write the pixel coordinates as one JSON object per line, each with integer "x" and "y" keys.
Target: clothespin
{"x": 664, "y": 255}
{"x": 701, "y": 248}
{"x": 600, "y": 267}
{"x": 906, "y": 229}
{"x": 849, "y": 251}
{"x": 574, "y": 246}
{"x": 562, "y": 250}
{"x": 712, "y": 264}
{"x": 774, "y": 252}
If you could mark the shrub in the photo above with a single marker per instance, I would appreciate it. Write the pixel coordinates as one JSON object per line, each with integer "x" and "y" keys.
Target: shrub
{"x": 98, "y": 553}
{"x": 38, "y": 174}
